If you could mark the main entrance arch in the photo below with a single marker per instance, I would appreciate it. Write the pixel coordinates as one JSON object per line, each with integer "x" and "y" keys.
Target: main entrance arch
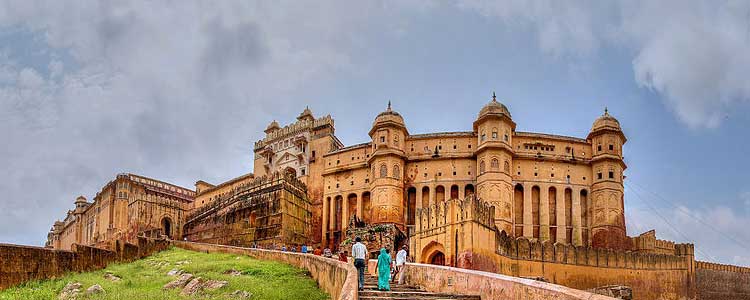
{"x": 433, "y": 253}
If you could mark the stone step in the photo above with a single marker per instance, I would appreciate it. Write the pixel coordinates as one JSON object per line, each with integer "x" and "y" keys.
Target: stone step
{"x": 407, "y": 294}
{"x": 394, "y": 288}
{"x": 404, "y": 292}
{"x": 419, "y": 298}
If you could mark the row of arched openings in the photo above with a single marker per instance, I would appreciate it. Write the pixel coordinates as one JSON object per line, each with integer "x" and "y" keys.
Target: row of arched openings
{"x": 552, "y": 206}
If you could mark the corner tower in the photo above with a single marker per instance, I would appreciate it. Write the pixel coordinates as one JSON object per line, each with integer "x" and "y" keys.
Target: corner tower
{"x": 494, "y": 155}
{"x": 607, "y": 191}
{"x": 386, "y": 163}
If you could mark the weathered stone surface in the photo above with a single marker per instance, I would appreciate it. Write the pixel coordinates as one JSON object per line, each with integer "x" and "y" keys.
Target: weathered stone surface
{"x": 615, "y": 291}
{"x": 174, "y": 272}
{"x": 112, "y": 277}
{"x": 70, "y": 291}
{"x": 192, "y": 287}
{"x": 179, "y": 282}
{"x": 214, "y": 284}
{"x": 238, "y": 294}
{"x": 232, "y": 272}
{"x": 94, "y": 289}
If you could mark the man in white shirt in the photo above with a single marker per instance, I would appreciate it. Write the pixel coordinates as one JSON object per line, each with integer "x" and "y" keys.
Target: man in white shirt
{"x": 359, "y": 252}
{"x": 400, "y": 263}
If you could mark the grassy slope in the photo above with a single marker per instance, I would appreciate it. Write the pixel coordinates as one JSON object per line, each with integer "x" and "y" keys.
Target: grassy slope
{"x": 143, "y": 280}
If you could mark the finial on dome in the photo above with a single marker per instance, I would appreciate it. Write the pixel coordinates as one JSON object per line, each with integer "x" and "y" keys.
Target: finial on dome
{"x": 389, "y": 105}
{"x": 606, "y": 111}
{"x": 494, "y": 99}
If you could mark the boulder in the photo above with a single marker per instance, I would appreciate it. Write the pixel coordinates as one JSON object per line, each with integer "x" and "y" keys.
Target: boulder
{"x": 214, "y": 284}
{"x": 238, "y": 294}
{"x": 179, "y": 282}
{"x": 192, "y": 287}
{"x": 94, "y": 289}
{"x": 70, "y": 291}
{"x": 174, "y": 272}
{"x": 111, "y": 277}
{"x": 232, "y": 272}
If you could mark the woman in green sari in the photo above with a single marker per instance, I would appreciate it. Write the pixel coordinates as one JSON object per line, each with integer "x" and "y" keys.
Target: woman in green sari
{"x": 384, "y": 270}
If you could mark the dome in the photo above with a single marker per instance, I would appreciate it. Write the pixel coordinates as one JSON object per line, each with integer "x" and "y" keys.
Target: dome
{"x": 606, "y": 121}
{"x": 305, "y": 114}
{"x": 388, "y": 116}
{"x": 272, "y": 127}
{"x": 494, "y": 108}
{"x": 81, "y": 199}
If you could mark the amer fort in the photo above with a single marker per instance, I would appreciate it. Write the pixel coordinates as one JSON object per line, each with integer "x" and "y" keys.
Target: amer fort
{"x": 491, "y": 213}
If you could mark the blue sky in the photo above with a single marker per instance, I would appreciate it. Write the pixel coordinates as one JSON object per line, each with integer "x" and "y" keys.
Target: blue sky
{"x": 180, "y": 91}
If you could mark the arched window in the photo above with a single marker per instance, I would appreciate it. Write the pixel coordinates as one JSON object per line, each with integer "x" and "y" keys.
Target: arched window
{"x": 395, "y": 140}
{"x": 481, "y": 167}
{"x": 494, "y": 133}
{"x": 495, "y": 164}
{"x": 383, "y": 171}
{"x": 482, "y": 137}
{"x": 396, "y": 172}
{"x": 506, "y": 167}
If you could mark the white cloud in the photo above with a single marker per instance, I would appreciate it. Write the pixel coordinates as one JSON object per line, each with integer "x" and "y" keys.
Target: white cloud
{"x": 693, "y": 53}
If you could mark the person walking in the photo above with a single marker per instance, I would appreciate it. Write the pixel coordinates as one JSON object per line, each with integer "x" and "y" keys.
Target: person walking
{"x": 400, "y": 263}
{"x": 384, "y": 270}
{"x": 327, "y": 253}
{"x": 359, "y": 251}
{"x": 303, "y": 250}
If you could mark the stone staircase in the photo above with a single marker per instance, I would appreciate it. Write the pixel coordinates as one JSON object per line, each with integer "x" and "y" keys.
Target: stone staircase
{"x": 404, "y": 292}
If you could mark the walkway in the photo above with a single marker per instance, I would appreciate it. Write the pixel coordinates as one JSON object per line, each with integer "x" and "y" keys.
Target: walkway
{"x": 404, "y": 292}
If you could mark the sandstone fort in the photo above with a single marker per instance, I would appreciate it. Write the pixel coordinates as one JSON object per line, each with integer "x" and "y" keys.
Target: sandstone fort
{"x": 525, "y": 204}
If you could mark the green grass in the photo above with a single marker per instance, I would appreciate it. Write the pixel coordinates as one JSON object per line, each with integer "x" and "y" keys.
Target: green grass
{"x": 143, "y": 280}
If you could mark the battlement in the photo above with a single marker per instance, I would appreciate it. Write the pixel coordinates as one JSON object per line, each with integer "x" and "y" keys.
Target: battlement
{"x": 648, "y": 243}
{"x": 455, "y": 211}
{"x": 294, "y": 128}
{"x": 720, "y": 267}
{"x": 524, "y": 249}
{"x": 257, "y": 185}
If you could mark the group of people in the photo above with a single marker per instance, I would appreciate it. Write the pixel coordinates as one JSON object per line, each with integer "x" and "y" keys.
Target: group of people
{"x": 387, "y": 271}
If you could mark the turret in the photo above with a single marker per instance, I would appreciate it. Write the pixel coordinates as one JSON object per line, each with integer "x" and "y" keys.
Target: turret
{"x": 272, "y": 127}
{"x": 607, "y": 191}
{"x": 494, "y": 129}
{"x": 80, "y": 205}
{"x": 306, "y": 115}
{"x": 387, "y": 166}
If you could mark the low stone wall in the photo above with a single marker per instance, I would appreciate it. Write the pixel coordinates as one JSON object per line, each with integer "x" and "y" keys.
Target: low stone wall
{"x": 719, "y": 282}
{"x": 489, "y": 286}
{"x": 336, "y": 278}
{"x": 19, "y": 264}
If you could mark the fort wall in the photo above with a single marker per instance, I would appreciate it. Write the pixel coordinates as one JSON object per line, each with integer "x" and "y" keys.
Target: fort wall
{"x": 19, "y": 264}
{"x": 336, "y": 278}
{"x": 717, "y": 281}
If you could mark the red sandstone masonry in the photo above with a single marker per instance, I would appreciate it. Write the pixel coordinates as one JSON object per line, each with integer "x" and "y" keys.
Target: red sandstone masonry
{"x": 719, "y": 282}
{"x": 19, "y": 264}
{"x": 336, "y": 278}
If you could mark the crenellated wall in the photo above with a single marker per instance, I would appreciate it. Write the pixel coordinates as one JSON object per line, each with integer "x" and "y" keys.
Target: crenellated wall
{"x": 719, "y": 282}
{"x": 19, "y": 264}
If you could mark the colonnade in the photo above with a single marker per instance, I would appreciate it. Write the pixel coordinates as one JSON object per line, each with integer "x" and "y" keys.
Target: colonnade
{"x": 554, "y": 212}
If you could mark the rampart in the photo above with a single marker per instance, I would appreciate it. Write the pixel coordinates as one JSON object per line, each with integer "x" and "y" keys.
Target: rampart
{"x": 719, "y": 282}
{"x": 651, "y": 276}
{"x": 336, "y": 278}
{"x": 19, "y": 264}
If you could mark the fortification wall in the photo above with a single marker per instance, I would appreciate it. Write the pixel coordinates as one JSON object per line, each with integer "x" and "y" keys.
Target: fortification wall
{"x": 19, "y": 264}
{"x": 719, "y": 282}
{"x": 336, "y": 278}
{"x": 651, "y": 276}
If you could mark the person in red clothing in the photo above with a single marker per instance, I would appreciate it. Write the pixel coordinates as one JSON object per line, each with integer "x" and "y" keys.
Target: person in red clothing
{"x": 318, "y": 252}
{"x": 343, "y": 256}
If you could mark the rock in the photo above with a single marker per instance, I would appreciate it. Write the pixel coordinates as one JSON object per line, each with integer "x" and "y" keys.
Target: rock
{"x": 192, "y": 287}
{"x": 111, "y": 277}
{"x": 238, "y": 294}
{"x": 94, "y": 289}
{"x": 70, "y": 291}
{"x": 174, "y": 272}
{"x": 179, "y": 282}
{"x": 214, "y": 284}
{"x": 232, "y": 272}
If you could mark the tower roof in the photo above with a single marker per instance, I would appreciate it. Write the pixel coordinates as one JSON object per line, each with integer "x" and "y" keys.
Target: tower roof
{"x": 389, "y": 116}
{"x": 81, "y": 199}
{"x": 494, "y": 108}
{"x": 606, "y": 121}
{"x": 272, "y": 127}
{"x": 307, "y": 113}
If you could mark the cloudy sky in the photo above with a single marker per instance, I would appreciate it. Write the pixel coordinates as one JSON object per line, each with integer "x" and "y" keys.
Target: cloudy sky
{"x": 179, "y": 90}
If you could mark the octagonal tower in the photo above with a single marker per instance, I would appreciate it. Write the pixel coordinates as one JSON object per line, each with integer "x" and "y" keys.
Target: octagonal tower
{"x": 387, "y": 164}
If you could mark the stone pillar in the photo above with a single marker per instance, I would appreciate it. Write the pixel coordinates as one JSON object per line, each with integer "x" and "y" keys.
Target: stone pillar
{"x": 461, "y": 194}
{"x": 332, "y": 214}
{"x": 345, "y": 217}
{"x": 561, "y": 226}
{"x": 419, "y": 197}
{"x": 577, "y": 233}
{"x": 433, "y": 190}
{"x": 528, "y": 227}
{"x": 325, "y": 219}
{"x": 544, "y": 213}
{"x": 359, "y": 207}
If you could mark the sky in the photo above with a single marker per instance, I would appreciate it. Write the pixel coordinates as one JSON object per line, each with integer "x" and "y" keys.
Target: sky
{"x": 180, "y": 91}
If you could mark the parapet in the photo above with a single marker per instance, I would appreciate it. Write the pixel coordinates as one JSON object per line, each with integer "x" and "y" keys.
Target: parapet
{"x": 455, "y": 211}
{"x": 720, "y": 267}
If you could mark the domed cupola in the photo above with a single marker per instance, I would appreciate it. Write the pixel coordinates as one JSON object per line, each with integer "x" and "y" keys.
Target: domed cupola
{"x": 272, "y": 127}
{"x": 388, "y": 118}
{"x": 494, "y": 108}
{"x": 606, "y": 123}
{"x": 306, "y": 115}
